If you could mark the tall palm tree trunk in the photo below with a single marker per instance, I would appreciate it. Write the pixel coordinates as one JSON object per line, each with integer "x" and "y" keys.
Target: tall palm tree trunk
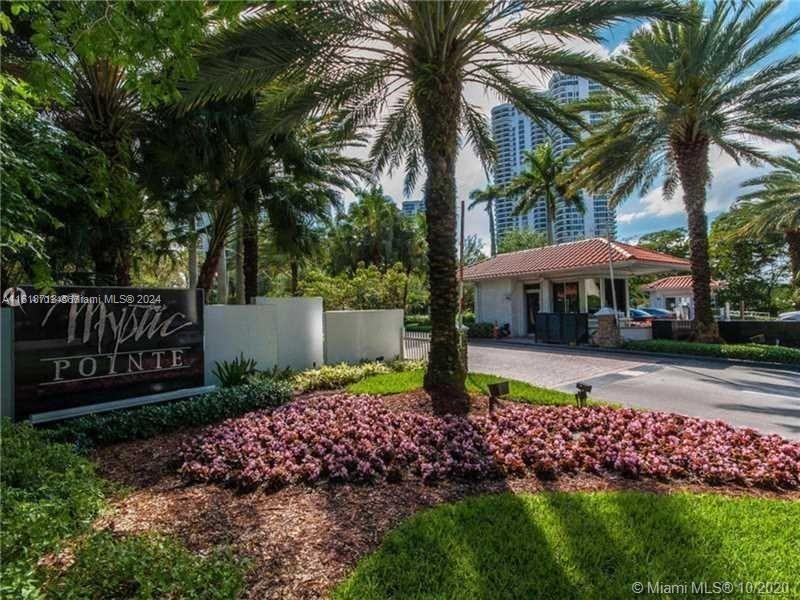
{"x": 492, "y": 234}
{"x": 437, "y": 105}
{"x": 550, "y": 210}
{"x": 250, "y": 244}
{"x": 295, "y": 281}
{"x": 692, "y": 163}
{"x": 793, "y": 239}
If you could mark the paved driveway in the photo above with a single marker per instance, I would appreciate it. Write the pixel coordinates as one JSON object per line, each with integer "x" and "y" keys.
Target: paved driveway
{"x": 762, "y": 398}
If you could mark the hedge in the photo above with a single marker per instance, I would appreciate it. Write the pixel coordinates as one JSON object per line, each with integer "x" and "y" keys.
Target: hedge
{"x": 755, "y": 352}
{"x": 148, "y": 421}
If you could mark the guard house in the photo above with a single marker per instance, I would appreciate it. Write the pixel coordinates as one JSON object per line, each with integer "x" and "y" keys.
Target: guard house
{"x": 675, "y": 294}
{"x": 552, "y": 292}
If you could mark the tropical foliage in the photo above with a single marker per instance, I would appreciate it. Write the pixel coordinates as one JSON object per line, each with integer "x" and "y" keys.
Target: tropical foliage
{"x": 418, "y": 58}
{"x": 695, "y": 88}
{"x": 544, "y": 179}
{"x": 775, "y": 209}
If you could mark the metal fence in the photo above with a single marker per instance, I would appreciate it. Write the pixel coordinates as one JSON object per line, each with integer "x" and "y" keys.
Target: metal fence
{"x": 416, "y": 345}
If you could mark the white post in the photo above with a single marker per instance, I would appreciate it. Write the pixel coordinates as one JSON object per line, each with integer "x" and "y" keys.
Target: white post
{"x": 613, "y": 287}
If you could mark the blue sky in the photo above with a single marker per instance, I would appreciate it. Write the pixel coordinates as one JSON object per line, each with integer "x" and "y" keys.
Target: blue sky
{"x": 637, "y": 215}
{"x": 651, "y": 213}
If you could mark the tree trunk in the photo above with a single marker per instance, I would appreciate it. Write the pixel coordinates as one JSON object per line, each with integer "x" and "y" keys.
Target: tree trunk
{"x": 550, "y": 210}
{"x": 239, "y": 265}
{"x": 295, "y": 267}
{"x": 250, "y": 245}
{"x": 221, "y": 226}
{"x": 793, "y": 239}
{"x": 192, "y": 253}
{"x": 492, "y": 236}
{"x": 437, "y": 104}
{"x": 692, "y": 163}
{"x": 222, "y": 276}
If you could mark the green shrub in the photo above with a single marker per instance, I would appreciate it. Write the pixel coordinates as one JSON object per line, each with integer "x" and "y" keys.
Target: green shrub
{"x": 236, "y": 372}
{"x": 417, "y": 320}
{"x": 148, "y": 421}
{"x": 757, "y": 352}
{"x": 331, "y": 377}
{"x": 481, "y": 330}
{"x": 48, "y": 493}
{"x": 145, "y": 566}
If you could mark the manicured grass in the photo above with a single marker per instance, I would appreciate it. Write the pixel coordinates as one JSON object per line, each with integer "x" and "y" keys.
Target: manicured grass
{"x": 582, "y": 545}
{"x": 408, "y": 381}
{"x": 758, "y": 352}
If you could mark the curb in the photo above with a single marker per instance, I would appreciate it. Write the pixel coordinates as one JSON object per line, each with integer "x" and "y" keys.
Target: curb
{"x": 734, "y": 362}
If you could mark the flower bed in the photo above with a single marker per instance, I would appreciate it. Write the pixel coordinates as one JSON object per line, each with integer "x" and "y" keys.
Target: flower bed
{"x": 355, "y": 438}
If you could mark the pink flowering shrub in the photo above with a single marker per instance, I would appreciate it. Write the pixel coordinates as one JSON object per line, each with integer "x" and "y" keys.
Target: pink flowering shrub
{"x": 355, "y": 438}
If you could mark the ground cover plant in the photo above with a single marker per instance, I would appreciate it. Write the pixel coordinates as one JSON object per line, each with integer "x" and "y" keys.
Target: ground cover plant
{"x": 582, "y": 545}
{"x": 357, "y": 438}
{"x": 148, "y": 421}
{"x": 145, "y": 566}
{"x": 331, "y": 377}
{"x": 50, "y": 496}
{"x": 757, "y": 352}
{"x": 477, "y": 383}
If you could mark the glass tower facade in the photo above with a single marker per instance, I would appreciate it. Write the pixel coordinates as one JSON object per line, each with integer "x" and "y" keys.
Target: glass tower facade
{"x": 514, "y": 133}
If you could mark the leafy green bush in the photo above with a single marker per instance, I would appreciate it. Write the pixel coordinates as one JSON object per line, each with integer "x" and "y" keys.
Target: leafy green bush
{"x": 145, "y": 566}
{"x": 236, "y": 372}
{"x": 48, "y": 493}
{"x": 417, "y": 320}
{"x": 480, "y": 330}
{"x": 147, "y": 421}
{"x": 757, "y": 352}
{"x": 331, "y": 377}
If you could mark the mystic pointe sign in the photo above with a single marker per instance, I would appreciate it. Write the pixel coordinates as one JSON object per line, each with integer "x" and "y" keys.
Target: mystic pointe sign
{"x": 83, "y": 346}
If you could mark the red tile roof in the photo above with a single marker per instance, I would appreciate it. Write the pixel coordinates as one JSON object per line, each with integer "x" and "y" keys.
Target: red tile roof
{"x": 566, "y": 257}
{"x": 678, "y": 282}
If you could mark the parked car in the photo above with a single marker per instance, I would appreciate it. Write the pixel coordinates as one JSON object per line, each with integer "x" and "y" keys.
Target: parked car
{"x": 789, "y": 316}
{"x": 641, "y": 317}
{"x": 658, "y": 313}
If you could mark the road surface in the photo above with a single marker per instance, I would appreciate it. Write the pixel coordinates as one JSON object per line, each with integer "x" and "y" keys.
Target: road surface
{"x": 759, "y": 397}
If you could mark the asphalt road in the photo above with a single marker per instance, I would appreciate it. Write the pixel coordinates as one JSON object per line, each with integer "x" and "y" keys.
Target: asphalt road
{"x": 763, "y": 398}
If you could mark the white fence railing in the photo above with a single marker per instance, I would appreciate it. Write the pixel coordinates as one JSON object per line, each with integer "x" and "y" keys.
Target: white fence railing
{"x": 416, "y": 345}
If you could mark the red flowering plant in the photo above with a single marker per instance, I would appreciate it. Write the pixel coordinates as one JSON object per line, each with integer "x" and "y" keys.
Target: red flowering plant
{"x": 356, "y": 439}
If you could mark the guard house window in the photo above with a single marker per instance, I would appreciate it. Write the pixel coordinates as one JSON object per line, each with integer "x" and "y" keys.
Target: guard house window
{"x": 565, "y": 297}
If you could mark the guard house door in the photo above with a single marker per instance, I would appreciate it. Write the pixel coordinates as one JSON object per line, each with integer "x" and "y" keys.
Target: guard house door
{"x": 532, "y": 296}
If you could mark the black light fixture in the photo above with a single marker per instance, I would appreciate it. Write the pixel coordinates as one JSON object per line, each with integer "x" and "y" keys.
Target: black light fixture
{"x": 582, "y": 395}
{"x": 495, "y": 391}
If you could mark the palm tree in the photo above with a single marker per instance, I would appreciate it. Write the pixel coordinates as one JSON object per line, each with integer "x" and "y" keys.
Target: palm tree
{"x": 417, "y": 57}
{"x": 487, "y": 197}
{"x": 698, "y": 87}
{"x": 543, "y": 180}
{"x": 777, "y": 210}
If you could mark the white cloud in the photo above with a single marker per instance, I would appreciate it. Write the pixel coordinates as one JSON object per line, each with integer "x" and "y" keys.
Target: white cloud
{"x": 725, "y": 187}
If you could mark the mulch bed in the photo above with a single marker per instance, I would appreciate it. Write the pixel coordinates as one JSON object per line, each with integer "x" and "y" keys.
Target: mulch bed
{"x": 302, "y": 540}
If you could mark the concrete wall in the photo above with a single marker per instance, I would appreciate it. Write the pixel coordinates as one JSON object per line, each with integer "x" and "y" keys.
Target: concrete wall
{"x": 249, "y": 329}
{"x": 636, "y": 333}
{"x": 300, "y": 331}
{"x": 357, "y": 335}
{"x": 493, "y": 301}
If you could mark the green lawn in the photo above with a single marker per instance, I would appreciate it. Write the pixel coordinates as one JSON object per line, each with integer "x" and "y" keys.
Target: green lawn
{"x": 582, "y": 545}
{"x": 407, "y": 381}
{"x": 756, "y": 352}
